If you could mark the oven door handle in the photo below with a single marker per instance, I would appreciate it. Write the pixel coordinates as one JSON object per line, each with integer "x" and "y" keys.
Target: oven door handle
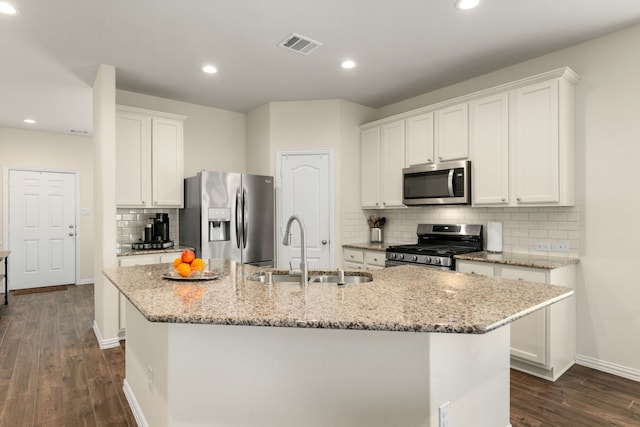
{"x": 450, "y": 182}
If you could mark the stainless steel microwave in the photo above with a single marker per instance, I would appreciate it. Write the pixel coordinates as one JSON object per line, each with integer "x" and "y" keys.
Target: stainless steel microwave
{"x": 437, "y": 184}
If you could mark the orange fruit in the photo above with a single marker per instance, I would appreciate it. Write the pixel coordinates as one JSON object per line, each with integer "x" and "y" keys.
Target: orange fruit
{"x": 184, "y": 269}
{"x": 188, "y": 256}
{"x": 197, "y": 264}
{"x": 177, "y": 262}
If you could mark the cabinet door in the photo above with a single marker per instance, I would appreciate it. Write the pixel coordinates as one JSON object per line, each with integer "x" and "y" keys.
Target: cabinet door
{"x": 392, "y": 163}
{"x": 537, "y": 143}
{"x": 370, "y": 168}
{"x": 167, "y": 164}
{"x": 452, "y": 133}
{"x": 489, "y": 139}
{"x": 529, "y": 334}
{"x": 419, "y": 140}
{"x": 133, "y": 148}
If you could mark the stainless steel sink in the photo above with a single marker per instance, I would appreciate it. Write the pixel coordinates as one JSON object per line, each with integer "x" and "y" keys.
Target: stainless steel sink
{"x": 325, "y": 278}
{"x": 275, "y": 278}
{"x": 334, "y": 279}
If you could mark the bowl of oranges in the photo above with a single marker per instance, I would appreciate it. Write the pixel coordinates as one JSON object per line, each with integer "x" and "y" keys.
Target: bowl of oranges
{"x": 188, "y": 267}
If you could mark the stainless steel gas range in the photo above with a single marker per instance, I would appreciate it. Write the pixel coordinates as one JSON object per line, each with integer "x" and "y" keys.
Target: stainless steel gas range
{"x": 437, "y": 245}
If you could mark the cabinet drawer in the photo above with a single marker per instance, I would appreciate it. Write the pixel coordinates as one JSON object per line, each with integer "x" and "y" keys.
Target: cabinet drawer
{"x": 353, "y": 255}
{"x": 353, "y": 266}
{"x": 522, "y": 274}
{"x": 138, "y": 260}
{"x": 470, "y": 268}
{"x": 374, "y": 258}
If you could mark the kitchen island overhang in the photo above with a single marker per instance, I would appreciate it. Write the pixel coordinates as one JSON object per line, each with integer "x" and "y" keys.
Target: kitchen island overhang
{"x": 198, "y": 353}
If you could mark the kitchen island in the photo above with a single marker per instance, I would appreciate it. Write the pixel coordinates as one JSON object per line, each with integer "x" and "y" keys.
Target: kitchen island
{"x": 238, "y": 352}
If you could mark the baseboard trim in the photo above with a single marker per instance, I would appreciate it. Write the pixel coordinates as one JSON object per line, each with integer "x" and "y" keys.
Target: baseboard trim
{"x": 104, "y": 344}
{"x": 133, "y": 404}
{"x": 610, "y": 368}
{"x": 85, "y": 282}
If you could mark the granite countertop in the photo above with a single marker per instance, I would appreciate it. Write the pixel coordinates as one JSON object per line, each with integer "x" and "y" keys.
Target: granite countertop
{"x": 406, "y": 298}
{"x": 519, "y": 260}
{"x": 370, "y": 246}
{"x": 176, "y": 248}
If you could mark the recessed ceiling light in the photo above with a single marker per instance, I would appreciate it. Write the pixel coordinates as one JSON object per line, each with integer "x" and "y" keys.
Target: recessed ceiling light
{"x": 7, "y": 9}
{"x": 29, "y": 121}
{"x": 209, "y": 69}
{"x": 467, "y": 4}
{"x": 348, "y": 64}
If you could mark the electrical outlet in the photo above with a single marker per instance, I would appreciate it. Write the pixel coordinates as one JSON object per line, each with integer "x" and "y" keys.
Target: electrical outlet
{"x": 542, "y": 246}
{"x": 443, "y": 415}
{"x": 560, "y": 247}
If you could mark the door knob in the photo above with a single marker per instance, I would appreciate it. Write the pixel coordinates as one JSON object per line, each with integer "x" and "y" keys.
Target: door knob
{"x": 324, "y": 242}
{"x": 71, "y": 226}
{"x": 71, "y": 234}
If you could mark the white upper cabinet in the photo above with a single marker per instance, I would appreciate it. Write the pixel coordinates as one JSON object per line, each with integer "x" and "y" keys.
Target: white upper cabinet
{"x": 370, "y": 191}
{"x": 452, "y": 133}
{"x": 419, "y": 140}
{"x": 133, "y": 159}
{"x": 537, "y": 143}
{"x": 520, "y": 138}
{"x": 149, "y": 158}
{"x": 523, "y": 145}
{"x": 167, "y": 162}
{"x": 392, "y": 163}
{"x": 489, "y": 140}
{"x": 381, "y": 162}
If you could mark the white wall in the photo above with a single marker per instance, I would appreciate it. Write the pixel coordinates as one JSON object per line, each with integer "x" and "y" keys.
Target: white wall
{"x": 607, "y": 129}
{"x": 23, "y": 148}
{"x": 214, "y": 139}
{"x": 106, "y": 323}
{"x": 312, "y": 125}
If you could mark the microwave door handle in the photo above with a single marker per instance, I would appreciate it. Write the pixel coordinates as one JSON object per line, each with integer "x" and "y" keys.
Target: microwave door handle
{"x": 450, "y": 182}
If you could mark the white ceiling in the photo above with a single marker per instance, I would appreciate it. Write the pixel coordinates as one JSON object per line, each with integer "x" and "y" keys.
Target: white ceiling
{"x": 51, "y": 51}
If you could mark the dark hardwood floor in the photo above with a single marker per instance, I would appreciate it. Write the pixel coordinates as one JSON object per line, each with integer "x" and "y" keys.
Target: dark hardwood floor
{"x": 52, "y": 373}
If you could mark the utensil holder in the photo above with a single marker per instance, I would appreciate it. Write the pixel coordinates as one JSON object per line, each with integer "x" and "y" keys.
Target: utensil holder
{"x": 376, "y": 235}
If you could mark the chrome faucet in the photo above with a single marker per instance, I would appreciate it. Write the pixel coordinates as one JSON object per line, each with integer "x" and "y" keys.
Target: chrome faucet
{"x": 304, "y": 269}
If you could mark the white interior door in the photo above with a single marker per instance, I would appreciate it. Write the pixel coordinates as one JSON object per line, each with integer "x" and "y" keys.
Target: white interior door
{"x": 305, "y": 190}
{"x": 42, "y": 228}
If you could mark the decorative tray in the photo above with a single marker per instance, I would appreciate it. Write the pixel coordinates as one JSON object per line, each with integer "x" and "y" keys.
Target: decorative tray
{"x": 200, "y": 275}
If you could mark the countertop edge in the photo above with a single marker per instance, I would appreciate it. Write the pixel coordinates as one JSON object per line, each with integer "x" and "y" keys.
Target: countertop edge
{"x": 518, "y": 259}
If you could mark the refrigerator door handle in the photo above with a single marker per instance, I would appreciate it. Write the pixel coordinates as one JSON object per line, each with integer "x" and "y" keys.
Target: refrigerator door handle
{"x": 238, "y": 223}
{"x": 245, "y": 217}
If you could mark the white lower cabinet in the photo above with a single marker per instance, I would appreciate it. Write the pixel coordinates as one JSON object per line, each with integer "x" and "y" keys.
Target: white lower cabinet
{"x": 128, "y": 261}
{"x": 543, "y": 342}
{"x": 361, "y": 259}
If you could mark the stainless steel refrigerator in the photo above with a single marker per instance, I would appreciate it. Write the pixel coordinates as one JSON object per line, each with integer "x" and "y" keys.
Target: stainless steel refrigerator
{"x": 229, "y": 215}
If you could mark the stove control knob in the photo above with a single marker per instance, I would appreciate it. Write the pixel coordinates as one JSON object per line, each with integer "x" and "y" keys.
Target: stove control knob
{"x": 414, "y": 258}
{"x": 427, "y": 259}
{"x": 437, "y": 261}
{"x": 400, "y": 256}
{"x": 392, "y": 255}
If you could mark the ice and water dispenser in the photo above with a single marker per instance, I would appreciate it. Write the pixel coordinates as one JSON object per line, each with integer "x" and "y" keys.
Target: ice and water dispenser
{"x": 219, "y": 224}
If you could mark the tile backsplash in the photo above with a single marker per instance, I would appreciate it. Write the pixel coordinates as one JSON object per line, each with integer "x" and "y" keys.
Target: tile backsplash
{"x": 522, "y": 227}
{"x": 130, "y": 225}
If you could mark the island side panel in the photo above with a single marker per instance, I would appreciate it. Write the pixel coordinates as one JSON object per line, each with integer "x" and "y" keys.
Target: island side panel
{"x": 244, "y": 375}
{"x": 146, "y": 368}
{"x": 471, "y": 372}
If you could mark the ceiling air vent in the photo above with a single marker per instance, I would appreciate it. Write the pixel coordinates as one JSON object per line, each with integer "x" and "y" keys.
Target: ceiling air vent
{"x": 300, "y": 44}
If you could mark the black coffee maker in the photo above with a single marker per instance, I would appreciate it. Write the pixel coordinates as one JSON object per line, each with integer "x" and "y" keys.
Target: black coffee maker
{"x": 161, "y": 228}
{"x": 156, "y": 234}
